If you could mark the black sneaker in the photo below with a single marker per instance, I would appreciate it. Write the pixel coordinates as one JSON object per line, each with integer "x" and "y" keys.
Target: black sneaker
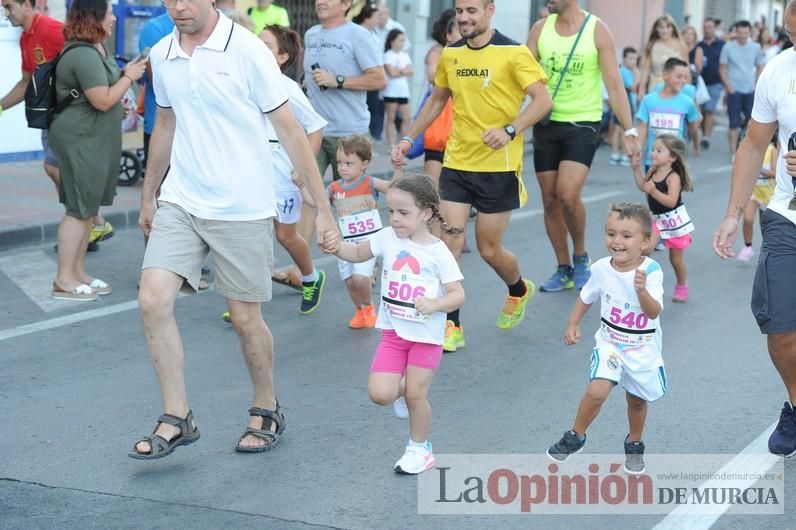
{"x": 704, "y": 144}
{"x": 634, "y": 457}
{"x": 783, "y": 440}
{"x": 311, "y": 294}
{"x": 569, "y": 444}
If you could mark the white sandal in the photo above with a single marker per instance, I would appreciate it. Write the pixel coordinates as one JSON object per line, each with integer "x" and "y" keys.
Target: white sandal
{"x": 100, "y": 287}
{"x": 81, "y": 293}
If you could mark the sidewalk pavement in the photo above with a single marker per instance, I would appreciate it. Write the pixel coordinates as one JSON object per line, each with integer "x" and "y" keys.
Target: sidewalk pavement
{"x": 30, "y": 211}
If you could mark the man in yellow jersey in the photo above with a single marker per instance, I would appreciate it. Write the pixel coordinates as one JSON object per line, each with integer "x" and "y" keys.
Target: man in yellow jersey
{"x": 564, "y": 148}
{"x": 488, "y": 75}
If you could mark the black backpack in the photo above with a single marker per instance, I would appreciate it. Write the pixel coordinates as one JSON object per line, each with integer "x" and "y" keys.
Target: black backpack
{"x": 41, "y": 105}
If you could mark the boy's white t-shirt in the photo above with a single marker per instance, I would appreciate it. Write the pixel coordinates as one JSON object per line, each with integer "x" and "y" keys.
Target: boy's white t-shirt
{"x": 309, "y": 120}
{"x": 397, "y": 87}
{"x": 406, "y": 267}
{"x": 774, "y": 102}
{"x": 637, "y": 337}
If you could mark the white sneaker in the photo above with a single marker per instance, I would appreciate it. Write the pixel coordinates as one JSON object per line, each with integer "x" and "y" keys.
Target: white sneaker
{"x": 416, "y": 459}
{"x": 400, "y": 408}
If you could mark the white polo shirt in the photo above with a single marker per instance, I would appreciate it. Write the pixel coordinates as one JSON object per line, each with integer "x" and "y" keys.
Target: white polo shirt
{"x": 221, "y": 167}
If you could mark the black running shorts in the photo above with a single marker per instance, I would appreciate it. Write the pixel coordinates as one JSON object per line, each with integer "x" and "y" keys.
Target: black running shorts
{"x": 558, "y": 141}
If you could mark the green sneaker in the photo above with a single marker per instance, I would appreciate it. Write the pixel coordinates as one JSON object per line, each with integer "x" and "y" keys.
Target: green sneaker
{"x": 514, "y": 309}
{"x": 454, "y": 337}
{"x": 311, "y": 294}
{"x": 100, "y": 232}
{"x": 225, "y": 316}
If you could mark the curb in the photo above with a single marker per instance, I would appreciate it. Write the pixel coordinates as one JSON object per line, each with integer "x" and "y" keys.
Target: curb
{"x": 36, "y": 234}
{"x": 48, "y": 232}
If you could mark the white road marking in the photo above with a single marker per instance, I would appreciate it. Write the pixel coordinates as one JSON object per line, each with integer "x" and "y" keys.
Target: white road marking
{"x": 66, "y": 320}
{"x": 33, "y": 272}
{"x": 754, "y": 457}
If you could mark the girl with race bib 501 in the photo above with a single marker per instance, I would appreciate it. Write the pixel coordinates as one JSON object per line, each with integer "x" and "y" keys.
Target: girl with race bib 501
{"x": 664, "y": 183}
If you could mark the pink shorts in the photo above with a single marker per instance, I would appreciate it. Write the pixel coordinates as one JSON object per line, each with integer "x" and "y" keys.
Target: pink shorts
{"x": 394, "y": 354}
{"x": 677, "y": 243}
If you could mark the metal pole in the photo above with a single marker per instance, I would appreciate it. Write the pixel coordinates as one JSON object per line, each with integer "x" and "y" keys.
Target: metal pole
{"x": 643, "y": 25}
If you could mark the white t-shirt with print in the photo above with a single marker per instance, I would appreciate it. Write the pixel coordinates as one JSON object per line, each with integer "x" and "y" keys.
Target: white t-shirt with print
{"x": 397, "y": 87}
{"x": 409, "y": 269}
{"x": 637, "y": 337}
{"x": 775, "y": 101}
{"x": 309, "y": 120}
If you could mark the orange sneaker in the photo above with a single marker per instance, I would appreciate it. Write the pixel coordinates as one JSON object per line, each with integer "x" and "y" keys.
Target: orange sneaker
{"x": 370, "y": 316}
{"x": 358, "y": 322}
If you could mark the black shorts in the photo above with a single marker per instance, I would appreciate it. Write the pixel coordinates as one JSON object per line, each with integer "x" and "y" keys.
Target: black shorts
{"x": 558, "y": 141}
{"x": 400, "y": 101}
{"x": 435, "y": 156}
{"x": 774, "y": 288}
{"x": 487, "y": 191}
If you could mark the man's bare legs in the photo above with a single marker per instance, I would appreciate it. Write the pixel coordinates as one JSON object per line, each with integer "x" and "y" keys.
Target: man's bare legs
{"x": 782, "y": 349}
{"x": 489, "y": 230}
{"x": 564, "y": 212}
{"x": 257, "y": 344}
{"x": 156, "y": 297}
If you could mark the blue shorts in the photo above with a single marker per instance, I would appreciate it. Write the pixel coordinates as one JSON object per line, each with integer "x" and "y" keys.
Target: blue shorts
{"x": 739, "y": 104}
{"x": 49, "y": 156}
{"x": 715, "y": 95}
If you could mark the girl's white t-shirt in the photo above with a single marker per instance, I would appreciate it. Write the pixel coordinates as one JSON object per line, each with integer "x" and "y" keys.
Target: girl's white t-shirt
{"x": 309, "y": 120}
{"x": 406, "y": 268}
{"x": 397, "y": 87}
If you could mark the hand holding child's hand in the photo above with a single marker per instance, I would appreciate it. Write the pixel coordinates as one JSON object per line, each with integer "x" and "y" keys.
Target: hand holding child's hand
{"x": 572, "y": 334}
{"x": 332, "y": 243}
{"x": 425, "y": 305}
{"x": 297, "y": 180}
{"x": 640, "y": 280}
{"x": 648, "y": 186}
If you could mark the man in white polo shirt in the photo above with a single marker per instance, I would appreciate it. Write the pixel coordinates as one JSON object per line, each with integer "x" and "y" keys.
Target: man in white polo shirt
{"x": 774, "y": 289}
{"x": 214, "y": 79}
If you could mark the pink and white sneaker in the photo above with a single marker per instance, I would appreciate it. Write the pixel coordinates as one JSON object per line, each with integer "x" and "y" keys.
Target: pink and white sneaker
{"x": 746, "y": 253}
{"x": 416, "y": 459}
{"x": 680, "y": 293}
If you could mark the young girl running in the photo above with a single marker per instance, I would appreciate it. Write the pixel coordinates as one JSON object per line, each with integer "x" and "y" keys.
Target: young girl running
{"x": 764, "y": 190}
{"x": 420, "y": 284}
{"x": 664, "y": 183}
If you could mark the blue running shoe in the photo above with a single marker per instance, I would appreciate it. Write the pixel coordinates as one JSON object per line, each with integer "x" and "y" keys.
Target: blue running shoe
{"x": 783, "y": 439}
{"x": 582, "y": 270}
{"x": 559, "y": 281}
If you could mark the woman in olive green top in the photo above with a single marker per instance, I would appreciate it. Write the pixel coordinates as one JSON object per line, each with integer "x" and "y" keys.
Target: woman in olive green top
{"x": 86, "y": 137}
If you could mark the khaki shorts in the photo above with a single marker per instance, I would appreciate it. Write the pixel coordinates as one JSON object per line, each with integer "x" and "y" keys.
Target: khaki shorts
{"x": 243, "y": 251}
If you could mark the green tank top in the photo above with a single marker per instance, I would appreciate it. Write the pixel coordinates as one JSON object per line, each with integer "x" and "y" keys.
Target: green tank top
{"x": 580, "y": 97}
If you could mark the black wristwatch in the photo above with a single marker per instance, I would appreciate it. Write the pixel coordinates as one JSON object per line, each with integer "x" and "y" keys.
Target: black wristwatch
{"x": 340, "y": 81}
{"x": 510, "y": 130}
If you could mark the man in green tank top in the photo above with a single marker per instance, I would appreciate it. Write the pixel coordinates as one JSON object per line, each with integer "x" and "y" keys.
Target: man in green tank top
{"x": 564, "y": 148}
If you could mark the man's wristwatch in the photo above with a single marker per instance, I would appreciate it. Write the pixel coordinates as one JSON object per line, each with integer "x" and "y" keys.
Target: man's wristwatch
{"x": 631, "y": 132}
{"x": 510, "y": 130}
{"x": 340, "y": 81}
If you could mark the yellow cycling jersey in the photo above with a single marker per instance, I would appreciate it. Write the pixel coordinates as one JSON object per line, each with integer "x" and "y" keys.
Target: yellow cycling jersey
{"x": 488, "y": 86}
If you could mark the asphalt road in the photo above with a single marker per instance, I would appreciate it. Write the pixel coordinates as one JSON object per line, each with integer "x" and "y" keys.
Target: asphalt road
{"x": 77, "y": 388}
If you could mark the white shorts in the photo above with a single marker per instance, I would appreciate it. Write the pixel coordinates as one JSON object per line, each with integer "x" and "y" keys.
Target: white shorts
{"x": 349, "y": 269}
{"x": 606, "y": 363}
{"x": 288, "y": 207}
